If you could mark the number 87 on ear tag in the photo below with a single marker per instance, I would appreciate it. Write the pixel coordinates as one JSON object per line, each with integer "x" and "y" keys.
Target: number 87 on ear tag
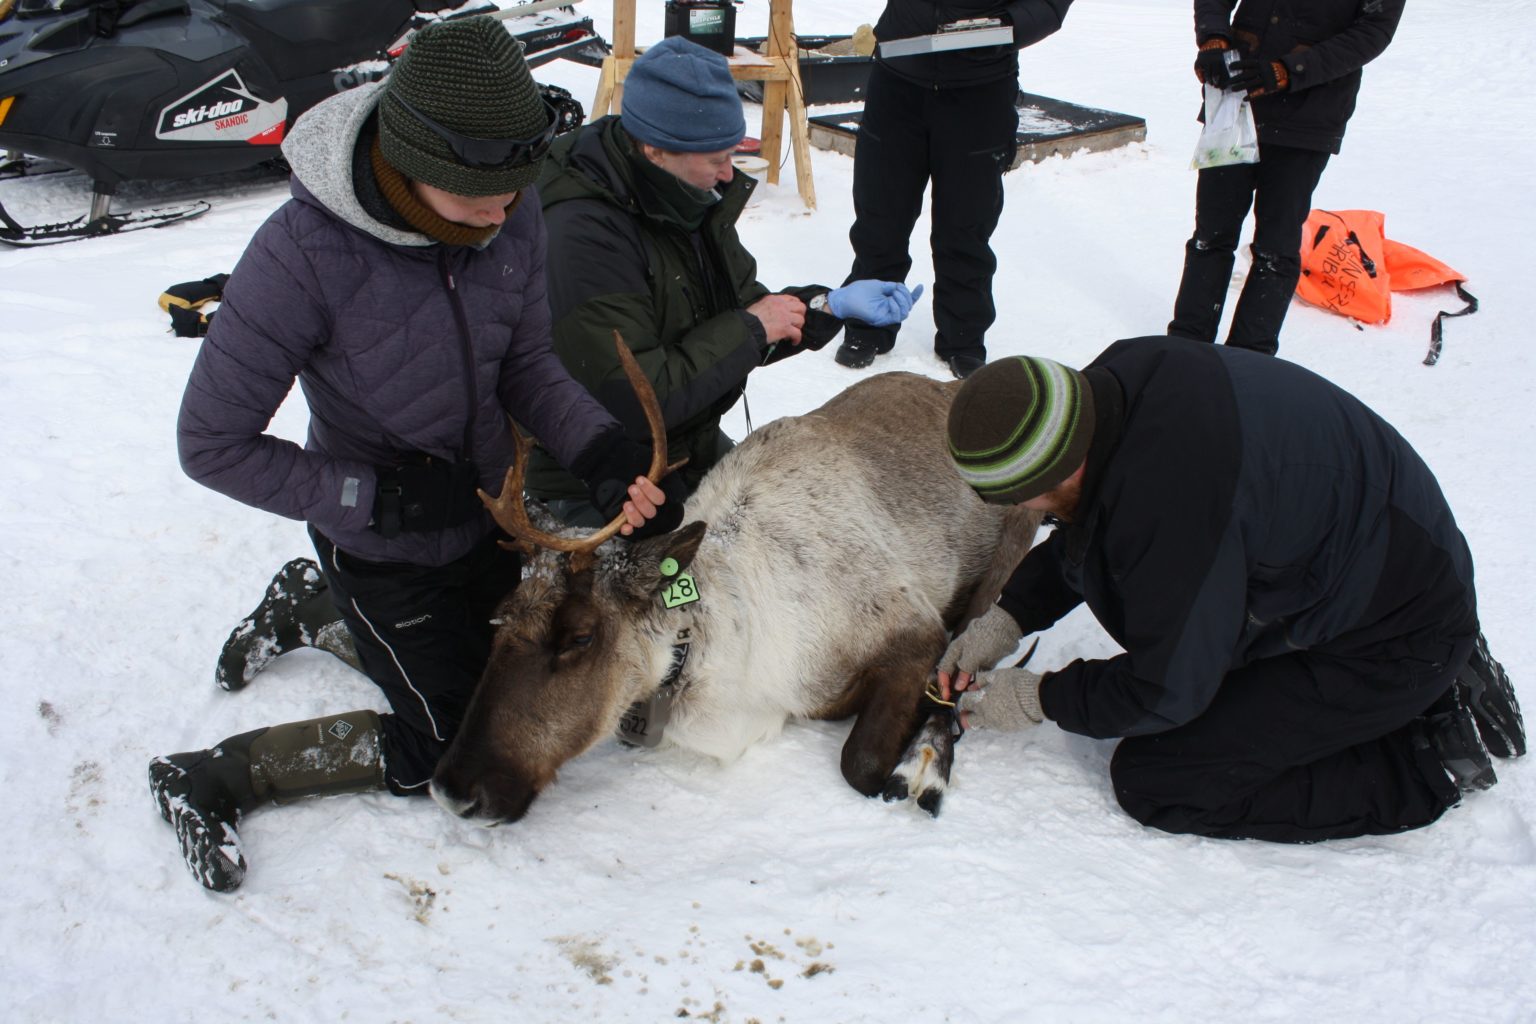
{"x": 679, "y": 588}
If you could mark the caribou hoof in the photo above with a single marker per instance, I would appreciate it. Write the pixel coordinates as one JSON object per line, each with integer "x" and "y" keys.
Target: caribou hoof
{"x": 923, "y": 773}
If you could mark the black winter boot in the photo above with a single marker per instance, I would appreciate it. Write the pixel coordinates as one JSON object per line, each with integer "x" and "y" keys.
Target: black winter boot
{"x": 1264, "y": 301}
{"x": 203, "y": 793}
{"x": 1452, "y": 731}
{"x": 862, "y": 343}
{"x": 1202, "y": 291}
{"x": 296, "y": 612}
{"x": 1484, "y": 687}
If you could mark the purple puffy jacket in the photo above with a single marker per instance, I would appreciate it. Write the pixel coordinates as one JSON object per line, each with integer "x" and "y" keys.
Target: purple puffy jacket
{"x": 367, "y": 318}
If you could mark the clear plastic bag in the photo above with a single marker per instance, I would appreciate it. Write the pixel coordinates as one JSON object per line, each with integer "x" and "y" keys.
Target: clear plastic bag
{"x": 1229, "y": 136}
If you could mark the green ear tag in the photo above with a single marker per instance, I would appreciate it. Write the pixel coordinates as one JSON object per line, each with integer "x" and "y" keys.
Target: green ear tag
{"x": 681, "y": 590}
{"x": 669, "y": 567}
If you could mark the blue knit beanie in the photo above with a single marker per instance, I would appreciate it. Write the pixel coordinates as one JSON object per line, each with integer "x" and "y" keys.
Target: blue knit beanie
{"x": 681, "y": 97}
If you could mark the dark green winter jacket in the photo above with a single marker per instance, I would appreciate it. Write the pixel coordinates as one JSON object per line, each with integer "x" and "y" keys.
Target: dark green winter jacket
{"x": 618, "y": 260}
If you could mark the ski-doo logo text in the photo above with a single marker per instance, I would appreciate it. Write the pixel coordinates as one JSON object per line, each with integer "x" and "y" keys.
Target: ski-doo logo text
{"x": 201, "y": 114}
{"x": 223, "y": 111}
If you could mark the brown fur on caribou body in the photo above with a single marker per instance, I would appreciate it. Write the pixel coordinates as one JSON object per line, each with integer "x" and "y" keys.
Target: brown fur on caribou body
{"x": 834, "y": 552}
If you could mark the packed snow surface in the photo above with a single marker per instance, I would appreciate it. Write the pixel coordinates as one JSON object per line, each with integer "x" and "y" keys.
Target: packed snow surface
{"x": 650, "y": 886}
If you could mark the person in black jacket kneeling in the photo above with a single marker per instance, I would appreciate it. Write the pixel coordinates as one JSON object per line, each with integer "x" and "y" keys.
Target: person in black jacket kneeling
{"x": 1302, "y": 655}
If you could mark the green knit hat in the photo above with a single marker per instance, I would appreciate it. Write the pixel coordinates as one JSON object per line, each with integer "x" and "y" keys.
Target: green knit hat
{"x": 468, "y": 76}
{"x": 1020, "y": 426}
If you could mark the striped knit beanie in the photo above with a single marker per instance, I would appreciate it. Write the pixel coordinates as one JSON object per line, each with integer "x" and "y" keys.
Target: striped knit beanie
{"x": 469, "y": 76}
{"x": 1020, "y": 426}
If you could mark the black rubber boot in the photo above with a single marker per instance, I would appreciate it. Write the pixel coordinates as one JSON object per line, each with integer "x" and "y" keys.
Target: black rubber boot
{"x": 1452, "y": 730}
{"x": 296, "y": 612}
{"x": 204, "y": 793}
{"x": 1202, "y": 291}
{"x": 1484, "y": 687}
{"x": 1264, "y": 301}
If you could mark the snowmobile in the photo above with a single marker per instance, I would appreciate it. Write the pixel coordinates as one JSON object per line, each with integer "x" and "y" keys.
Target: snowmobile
{"x": 167, "y": 89}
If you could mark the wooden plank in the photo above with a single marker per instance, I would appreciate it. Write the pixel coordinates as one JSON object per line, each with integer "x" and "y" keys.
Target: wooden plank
{"x": 605, "y": 82}
{"x": 623, "y": 47}
{"x": 772, "y": 134}
{"x": 799, "y": 134}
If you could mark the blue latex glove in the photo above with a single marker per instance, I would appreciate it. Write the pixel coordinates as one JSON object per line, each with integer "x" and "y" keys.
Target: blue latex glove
{"x": 878, "y": 303}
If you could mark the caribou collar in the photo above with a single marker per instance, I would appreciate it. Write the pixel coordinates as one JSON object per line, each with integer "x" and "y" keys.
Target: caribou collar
{"x": 646, "y": 720}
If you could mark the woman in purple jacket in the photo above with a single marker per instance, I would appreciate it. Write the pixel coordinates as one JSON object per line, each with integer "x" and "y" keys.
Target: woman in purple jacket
{"x": 403, "y": 287}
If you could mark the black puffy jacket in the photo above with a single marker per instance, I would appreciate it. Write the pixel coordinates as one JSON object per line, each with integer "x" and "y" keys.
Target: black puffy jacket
{"x": 1237, "y": 507}
{"x": 1323, "y": 44}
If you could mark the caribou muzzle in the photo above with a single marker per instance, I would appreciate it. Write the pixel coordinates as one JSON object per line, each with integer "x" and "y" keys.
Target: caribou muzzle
{"x": 490, "y": 797}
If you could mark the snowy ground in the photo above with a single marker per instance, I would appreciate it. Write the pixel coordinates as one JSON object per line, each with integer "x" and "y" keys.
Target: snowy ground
{"x": 648, "y": 886}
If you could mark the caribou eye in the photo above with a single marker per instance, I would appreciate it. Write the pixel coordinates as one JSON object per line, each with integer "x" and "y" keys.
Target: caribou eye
{"x": 576, "y": 642}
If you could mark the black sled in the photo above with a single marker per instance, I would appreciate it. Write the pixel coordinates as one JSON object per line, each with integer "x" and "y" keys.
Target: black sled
{"x": 167, "y": 89}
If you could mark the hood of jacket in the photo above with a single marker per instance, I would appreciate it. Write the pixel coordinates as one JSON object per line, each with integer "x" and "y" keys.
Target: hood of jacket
{"x": 325, "y": 168}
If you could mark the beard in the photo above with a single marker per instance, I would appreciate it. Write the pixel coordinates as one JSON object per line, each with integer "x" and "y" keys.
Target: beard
{"x": 1060, "y": 501}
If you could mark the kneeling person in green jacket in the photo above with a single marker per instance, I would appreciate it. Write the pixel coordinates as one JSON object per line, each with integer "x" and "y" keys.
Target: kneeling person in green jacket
{"x": 642, "y": 210}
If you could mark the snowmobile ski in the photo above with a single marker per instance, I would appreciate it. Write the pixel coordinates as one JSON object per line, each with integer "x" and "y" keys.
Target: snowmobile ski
{"x": 17, "y": 236}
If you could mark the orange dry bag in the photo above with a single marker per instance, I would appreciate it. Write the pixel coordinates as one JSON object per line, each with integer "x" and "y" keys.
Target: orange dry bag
{"x": 1349, "y": 266}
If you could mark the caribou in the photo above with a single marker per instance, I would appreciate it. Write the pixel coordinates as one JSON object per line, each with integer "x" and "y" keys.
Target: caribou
{"x": 818, "y": 573}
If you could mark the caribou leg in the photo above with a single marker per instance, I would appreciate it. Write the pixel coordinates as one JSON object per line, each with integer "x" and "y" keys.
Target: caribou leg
{"x": 889, "y": 693}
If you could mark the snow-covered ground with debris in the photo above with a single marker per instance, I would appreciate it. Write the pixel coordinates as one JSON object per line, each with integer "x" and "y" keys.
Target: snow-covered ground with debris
{"x": 647, "y": 886}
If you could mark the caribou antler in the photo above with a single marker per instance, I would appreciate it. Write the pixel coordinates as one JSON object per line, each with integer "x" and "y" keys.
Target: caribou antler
{"x": 511, "y": 514}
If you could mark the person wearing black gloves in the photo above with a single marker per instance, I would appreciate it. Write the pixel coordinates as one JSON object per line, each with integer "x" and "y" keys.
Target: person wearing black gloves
{"x": 1299, "y": 62}
{"x": 948, "y": 120}
{"x": 1302, "y": 658}
{"x": 641, "y": 210}
{"x": 403, "y": 287}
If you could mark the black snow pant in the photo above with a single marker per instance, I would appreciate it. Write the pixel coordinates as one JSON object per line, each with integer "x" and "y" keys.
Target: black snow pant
{"x": 961, "y": 140}
{"x": 423, "y": 634}
{"x": 1301, "y": 748}
{"x": 1279, "y": 189}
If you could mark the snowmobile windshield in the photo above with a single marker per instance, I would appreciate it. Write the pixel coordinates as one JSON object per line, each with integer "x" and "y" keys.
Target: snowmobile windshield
{"x": 487, "y": 153}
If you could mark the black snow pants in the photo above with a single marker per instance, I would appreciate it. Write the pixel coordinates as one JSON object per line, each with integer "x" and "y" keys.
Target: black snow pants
{"x": 423, "y": 634}
{"x": 1323, "y": 743}
{"x": 1294, "y": 749}
{"x": 961, "y": 140}
{"x": 1279, "y": 189}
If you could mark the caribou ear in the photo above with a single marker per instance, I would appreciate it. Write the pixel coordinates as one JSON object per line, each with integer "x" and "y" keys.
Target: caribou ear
{"x": 641, "y": 576}
{"x": 683, "y": 544}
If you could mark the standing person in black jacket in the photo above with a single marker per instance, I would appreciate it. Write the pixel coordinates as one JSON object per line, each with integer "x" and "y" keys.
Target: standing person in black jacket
{"x": 950, "y": 119}
{"x": 1300, "y": 64}
{"x": 1302, "y": 656}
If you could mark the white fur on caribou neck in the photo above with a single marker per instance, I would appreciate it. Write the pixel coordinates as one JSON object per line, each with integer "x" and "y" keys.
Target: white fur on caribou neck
{"x": 832, "y": 553}
{"x": 799, "y": 586}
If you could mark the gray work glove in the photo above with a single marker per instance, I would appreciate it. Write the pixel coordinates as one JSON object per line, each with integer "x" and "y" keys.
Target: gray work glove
{"x": 985, "y": 642}
{"x": 1006, "y": 699}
